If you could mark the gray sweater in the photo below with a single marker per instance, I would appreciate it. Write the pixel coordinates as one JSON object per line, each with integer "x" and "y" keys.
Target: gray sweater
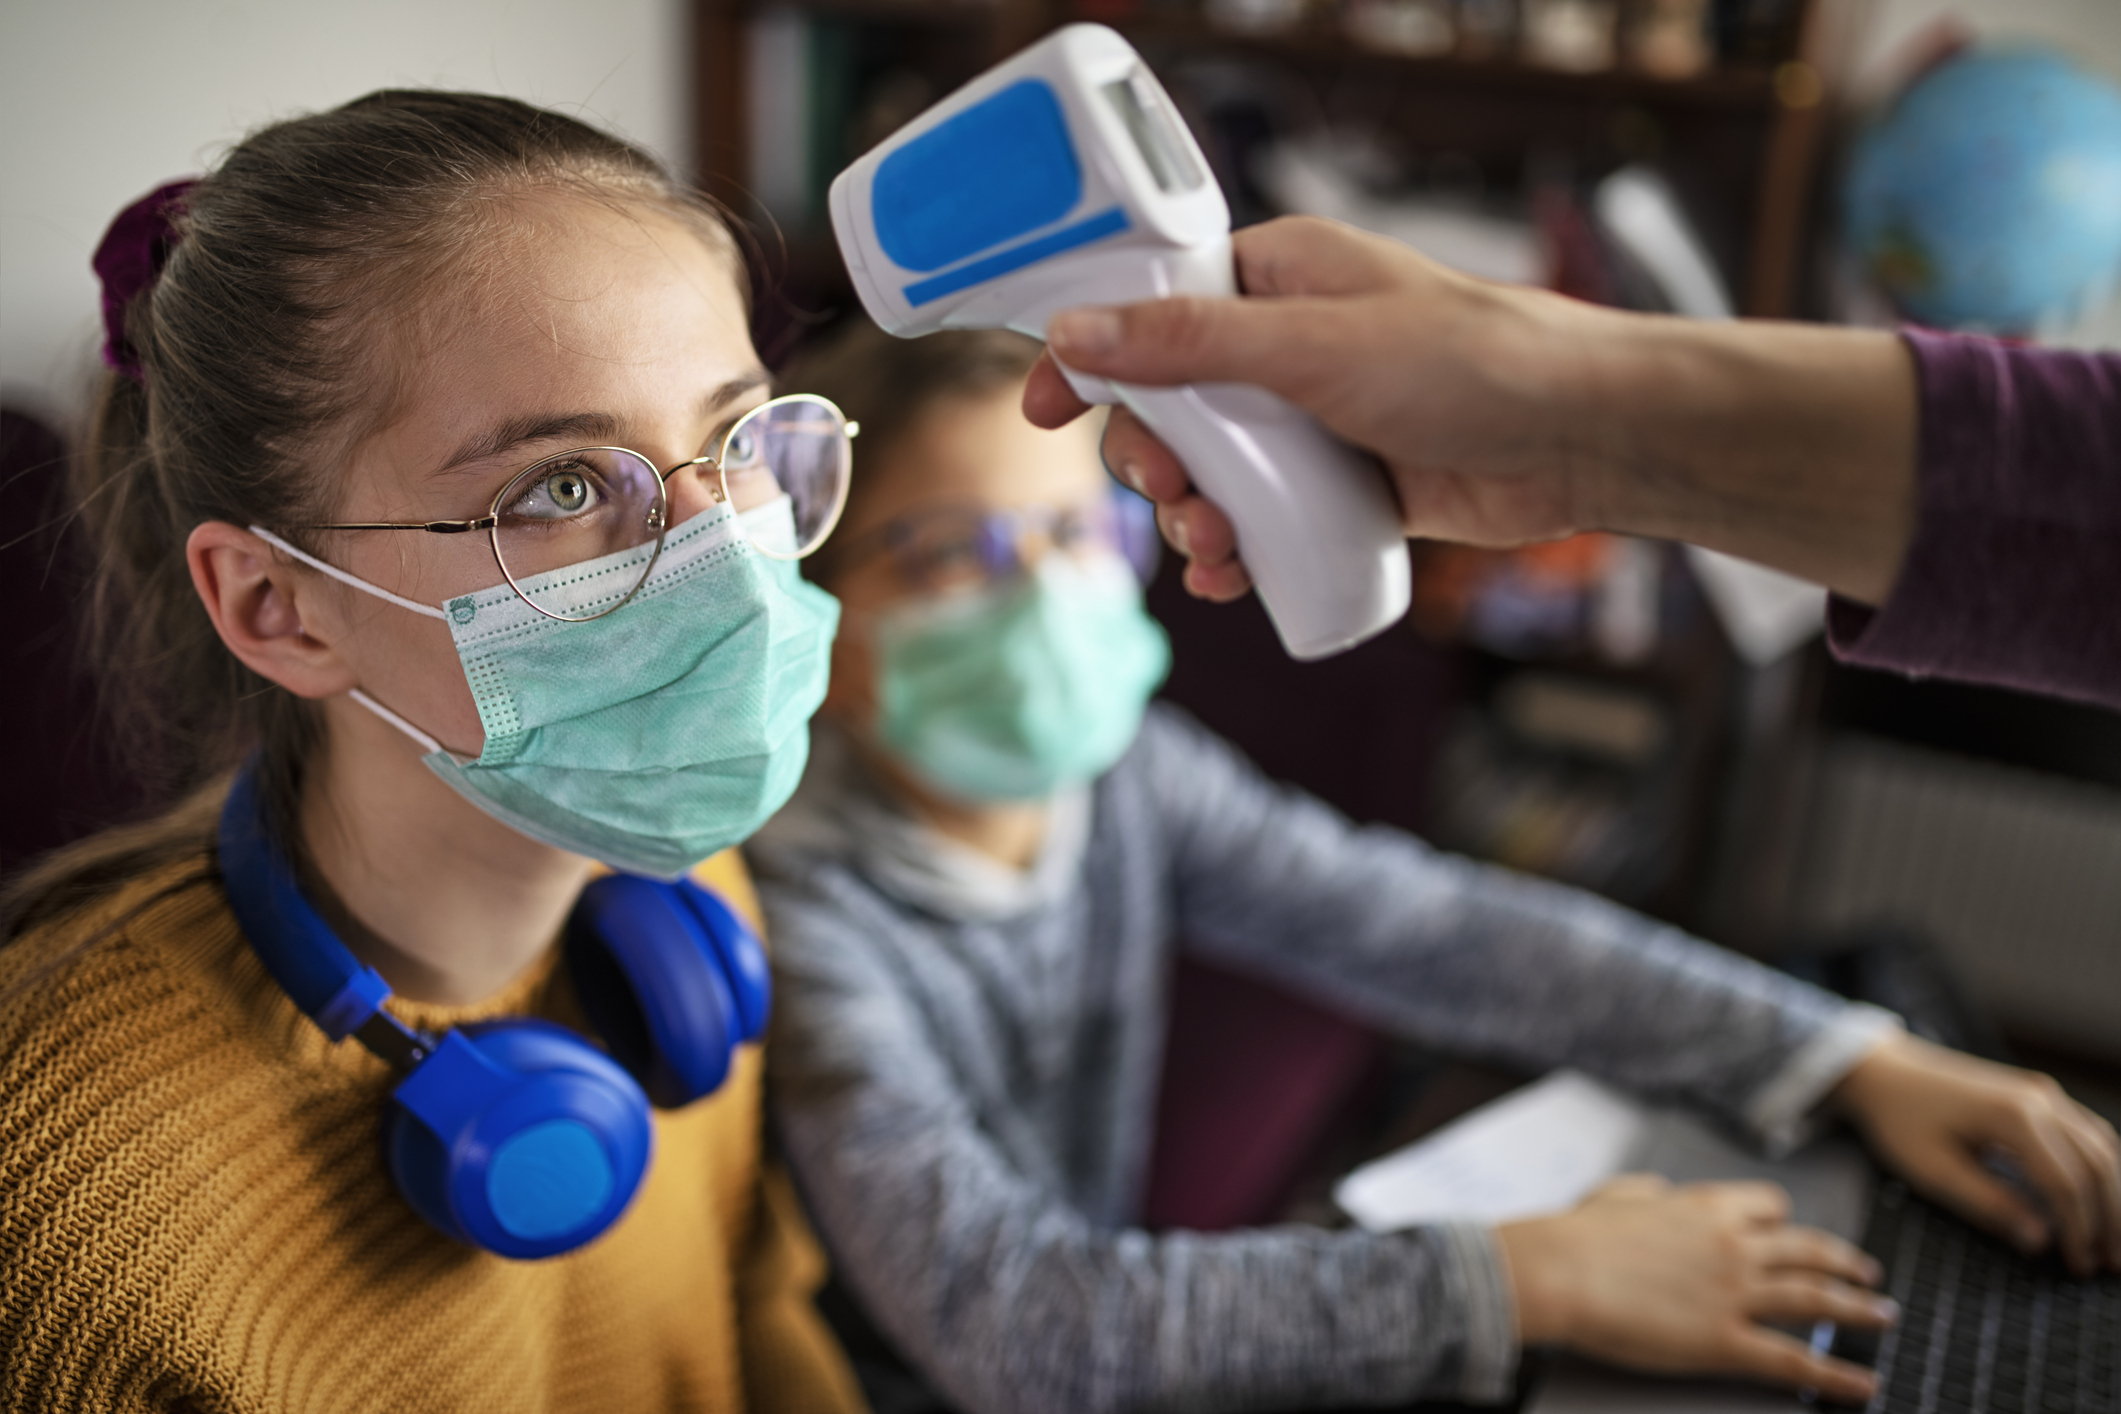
{"x": 965, "y": 1062}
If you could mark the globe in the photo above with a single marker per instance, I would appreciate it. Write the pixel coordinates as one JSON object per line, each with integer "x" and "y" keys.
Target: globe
{"x": 1989, "y": 195}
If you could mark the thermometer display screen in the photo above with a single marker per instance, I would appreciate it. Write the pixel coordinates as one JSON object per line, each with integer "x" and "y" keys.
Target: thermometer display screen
{"x": 1146, "y": 115}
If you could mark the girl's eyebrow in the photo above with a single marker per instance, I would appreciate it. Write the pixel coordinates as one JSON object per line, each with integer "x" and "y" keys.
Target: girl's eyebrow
{"x": 598, "y": 427}
{"x": 749, "y": 381}
{"x": 583, "y": 427}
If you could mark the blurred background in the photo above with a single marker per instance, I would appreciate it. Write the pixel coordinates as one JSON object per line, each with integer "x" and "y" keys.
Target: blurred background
{"x": 1658, "y": 725}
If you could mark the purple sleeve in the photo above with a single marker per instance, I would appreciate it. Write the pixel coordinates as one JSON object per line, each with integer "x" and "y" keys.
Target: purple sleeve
{"x": 2014, "y": 575}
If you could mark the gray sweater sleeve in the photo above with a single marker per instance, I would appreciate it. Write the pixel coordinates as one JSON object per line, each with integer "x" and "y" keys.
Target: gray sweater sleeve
{"x": 1475, "y": 959}
{"x": 1008, "y": 1297}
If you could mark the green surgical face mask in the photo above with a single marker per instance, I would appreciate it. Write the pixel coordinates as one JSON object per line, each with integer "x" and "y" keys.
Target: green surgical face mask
{"x": 655, "y": 735}
{"x": 1009, "y": 692}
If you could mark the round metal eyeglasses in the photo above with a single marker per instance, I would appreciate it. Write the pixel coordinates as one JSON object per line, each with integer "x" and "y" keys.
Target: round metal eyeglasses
{"x": 783, "y": 468}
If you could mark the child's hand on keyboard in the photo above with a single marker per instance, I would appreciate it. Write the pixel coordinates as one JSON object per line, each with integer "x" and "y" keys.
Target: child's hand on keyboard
{"x": 1679, "y": 1280}
{"x": 1935, "y": 1115}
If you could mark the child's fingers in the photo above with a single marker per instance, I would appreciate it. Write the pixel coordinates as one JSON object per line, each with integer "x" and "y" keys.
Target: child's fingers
{"x": 1810, "y": 1249}
{"x": 1785, "y": 1360}
{"x": 1756, "y": 1202}
{"x": 2051, "y": 1160}
{"x": 1955, "y": 1180}
{"x": 1809, "y": 1296}
{"x": 2102, "y": 1156}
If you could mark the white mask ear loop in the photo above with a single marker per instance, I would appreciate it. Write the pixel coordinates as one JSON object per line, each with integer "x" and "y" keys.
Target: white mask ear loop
{"x": 344, "y": 578}
{"x": 426, "y": 743}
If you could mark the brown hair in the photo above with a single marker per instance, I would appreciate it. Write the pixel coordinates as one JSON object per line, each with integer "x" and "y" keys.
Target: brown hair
{"x": 262, "y": 367}
{"x": 886, "y": 385}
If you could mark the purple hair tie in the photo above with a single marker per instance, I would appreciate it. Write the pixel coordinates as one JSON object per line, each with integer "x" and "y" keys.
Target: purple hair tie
{"x": 129, "y": 258}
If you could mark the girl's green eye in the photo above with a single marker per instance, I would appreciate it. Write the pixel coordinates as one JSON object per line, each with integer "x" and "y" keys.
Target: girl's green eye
{"x": 559, "y": 494}
{"x": 569, "y": 490}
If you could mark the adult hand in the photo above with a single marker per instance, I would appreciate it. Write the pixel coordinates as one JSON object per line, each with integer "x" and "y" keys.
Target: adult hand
{"x": 1504, "y": 414}
{"x": 1935, "y": 1114}
{"x": 1377, "y": 342}
{"x": 1678, "y": 1280}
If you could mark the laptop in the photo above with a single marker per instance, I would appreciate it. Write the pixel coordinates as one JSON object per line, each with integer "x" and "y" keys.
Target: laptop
{"x": 1982, "y": 1329}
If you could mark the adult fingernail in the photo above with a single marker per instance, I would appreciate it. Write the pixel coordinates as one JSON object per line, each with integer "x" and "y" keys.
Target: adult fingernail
{"x": 1873, "y": 1273}
{"x": 1887, "y": 1309}
{"x": 1180, "y": 541}
{"x": 1083, "y": 331}
{"x": 1130, "y": 472}
{"x": 2030, "y": 1234}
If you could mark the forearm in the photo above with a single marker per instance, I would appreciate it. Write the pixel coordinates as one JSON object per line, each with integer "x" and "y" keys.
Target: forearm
{"x": 1474, "y": 960}
{"x": 1786, "y": 444}
{"x": 1466, "y": 957}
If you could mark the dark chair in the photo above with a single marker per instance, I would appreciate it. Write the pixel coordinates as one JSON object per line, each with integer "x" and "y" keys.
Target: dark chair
{"x": 1256, "y": 1081}
{"x": 63, "y": 780}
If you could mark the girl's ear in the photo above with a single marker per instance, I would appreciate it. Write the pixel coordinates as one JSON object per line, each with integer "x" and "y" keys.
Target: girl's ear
{"x": 256, "y": 600}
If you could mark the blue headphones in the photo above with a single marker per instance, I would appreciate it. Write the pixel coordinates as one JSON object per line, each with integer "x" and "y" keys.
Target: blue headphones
{"x": 516, "y": 1135}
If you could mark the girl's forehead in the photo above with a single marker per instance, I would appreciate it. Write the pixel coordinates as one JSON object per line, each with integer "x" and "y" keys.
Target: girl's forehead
{"x": 617, "y": 284}
{"x": 623, "y": 314}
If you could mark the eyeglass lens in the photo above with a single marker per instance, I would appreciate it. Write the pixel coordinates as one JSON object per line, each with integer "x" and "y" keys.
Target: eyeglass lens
{"x": 946, "y": 550}
{"x": 784, "y": 467}
{"x": 791, "y": 451}
{"x": 573, "y": 509}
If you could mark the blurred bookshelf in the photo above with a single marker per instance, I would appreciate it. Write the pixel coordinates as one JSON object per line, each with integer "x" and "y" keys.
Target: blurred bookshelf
{"x": 789, "y": 92}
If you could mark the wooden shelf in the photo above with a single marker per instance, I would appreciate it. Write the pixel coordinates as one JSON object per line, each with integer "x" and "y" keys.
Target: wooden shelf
{"x": 1742, "y": 88}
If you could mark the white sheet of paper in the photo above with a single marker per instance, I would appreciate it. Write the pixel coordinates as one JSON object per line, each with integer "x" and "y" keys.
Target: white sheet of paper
{"x": 1536, "y": 1150}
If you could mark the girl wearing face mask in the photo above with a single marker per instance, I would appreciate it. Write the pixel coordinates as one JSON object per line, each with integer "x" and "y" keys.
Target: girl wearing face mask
{"x": 976, "y": 895}
{"x": 444, "y": 529}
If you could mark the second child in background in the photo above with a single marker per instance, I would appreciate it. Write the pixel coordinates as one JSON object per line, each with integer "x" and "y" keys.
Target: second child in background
{"x": 977, "y": 894}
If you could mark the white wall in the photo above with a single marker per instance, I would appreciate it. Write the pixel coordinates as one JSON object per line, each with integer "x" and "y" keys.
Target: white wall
{"x": 102, "y": 100}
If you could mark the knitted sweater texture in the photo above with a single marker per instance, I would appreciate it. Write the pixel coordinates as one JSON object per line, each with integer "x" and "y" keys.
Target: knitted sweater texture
{"x": 195, "y": 1212}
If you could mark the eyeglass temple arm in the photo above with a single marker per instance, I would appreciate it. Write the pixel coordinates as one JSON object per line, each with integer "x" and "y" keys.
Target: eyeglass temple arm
{"x": 437, "y": 527}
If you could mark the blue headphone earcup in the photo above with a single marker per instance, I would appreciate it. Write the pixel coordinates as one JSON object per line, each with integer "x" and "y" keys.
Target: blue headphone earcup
{"x": 743, "y": 957}
{"x": 520, "y": 1138}
{"x": 663, "y": 971}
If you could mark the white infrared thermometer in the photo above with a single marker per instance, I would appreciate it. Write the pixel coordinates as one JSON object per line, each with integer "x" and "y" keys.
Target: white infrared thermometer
{"x": 1064, "y": 177}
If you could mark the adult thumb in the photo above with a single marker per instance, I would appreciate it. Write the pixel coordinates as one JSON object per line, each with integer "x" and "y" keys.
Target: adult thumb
{"x": 1189, "y": 339}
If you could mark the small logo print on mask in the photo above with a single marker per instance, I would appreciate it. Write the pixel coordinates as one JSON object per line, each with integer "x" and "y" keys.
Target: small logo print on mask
{"x": 464, "y": 610}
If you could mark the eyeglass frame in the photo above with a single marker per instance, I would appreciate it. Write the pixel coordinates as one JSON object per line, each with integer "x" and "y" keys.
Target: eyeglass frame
{"x": 894, "y": 536}
{"x": 658, "y": 515}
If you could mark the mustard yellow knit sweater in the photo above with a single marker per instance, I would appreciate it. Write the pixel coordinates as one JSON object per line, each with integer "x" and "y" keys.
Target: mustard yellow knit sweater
{"x": 195, "y": 1214}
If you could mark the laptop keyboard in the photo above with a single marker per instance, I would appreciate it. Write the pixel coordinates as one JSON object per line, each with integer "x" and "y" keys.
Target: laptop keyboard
{"x": 1982, "y": 1329}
